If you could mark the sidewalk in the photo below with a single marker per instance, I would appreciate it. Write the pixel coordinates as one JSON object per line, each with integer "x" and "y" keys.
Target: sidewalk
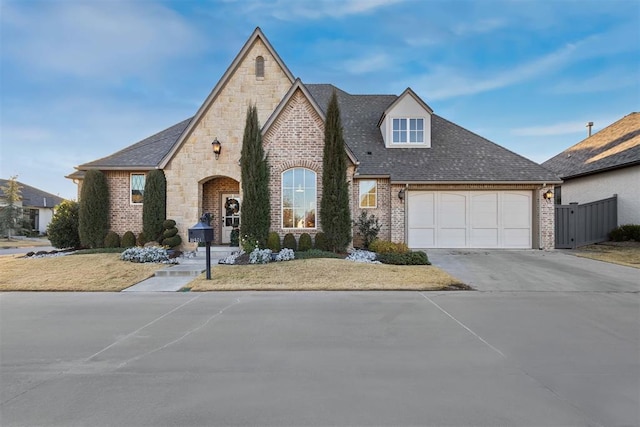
{"x": 174, "y": 278}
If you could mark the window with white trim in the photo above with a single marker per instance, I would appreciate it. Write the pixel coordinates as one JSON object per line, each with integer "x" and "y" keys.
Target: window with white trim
{"x": 407, "y": 130}
{"x": 299, "y": 196}
{"x": 137, "y": 188}
{"x": 368, "y": 193}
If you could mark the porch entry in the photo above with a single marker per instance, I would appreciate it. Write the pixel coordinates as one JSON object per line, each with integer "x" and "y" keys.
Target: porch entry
{"x": 230, "y": 215}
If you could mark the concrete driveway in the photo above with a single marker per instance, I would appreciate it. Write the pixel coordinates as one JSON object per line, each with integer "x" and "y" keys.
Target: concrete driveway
{"x": 534, "y": 271}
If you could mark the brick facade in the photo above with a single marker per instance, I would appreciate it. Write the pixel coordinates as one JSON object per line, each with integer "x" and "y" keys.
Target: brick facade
{"x": 123, "y": 215}
{"x": 212, "y": 192}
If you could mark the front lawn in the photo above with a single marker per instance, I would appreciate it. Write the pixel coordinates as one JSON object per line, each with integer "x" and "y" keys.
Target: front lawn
{"x": 623, "y": 253}
{"x": 93, "y": 272}
{"x": 322, "y": 274}
{"x": 23, "y": 242}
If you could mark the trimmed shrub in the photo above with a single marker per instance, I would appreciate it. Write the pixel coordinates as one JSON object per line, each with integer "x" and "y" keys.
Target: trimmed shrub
{"x": 93, "y": 219}
{"x": 234, "y": 238}
{"x": 142, "y": 240}
{"x": 168, "y": 223}
{"x": 304, "y": 244}
{"x": 273, "y": 241}
{"x": 112, "y": 240}
{"x": 320, "y": 242}
{"x": 289, "y": 241}
{"x": 387, "y": 247}
{"x": 172, "y": 242}
{"x": 63, "y": 228}
{"x": 625, "y": 232}
{"x": 407, "y": 258}
{"x": 154, "y": 208}
{"x": 368, "y": 228}
{"x": 169, "y": 232}
{"x": 128, "y": 240}
{"x": 316, "y": 253}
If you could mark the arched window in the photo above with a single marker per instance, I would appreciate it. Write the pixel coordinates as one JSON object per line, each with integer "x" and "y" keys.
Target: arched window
{"x": 259, "y": 67}
{"x": 299, "y": 197}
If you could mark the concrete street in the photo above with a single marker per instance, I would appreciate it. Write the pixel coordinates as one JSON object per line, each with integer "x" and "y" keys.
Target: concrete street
{"x": 517, "y": 357}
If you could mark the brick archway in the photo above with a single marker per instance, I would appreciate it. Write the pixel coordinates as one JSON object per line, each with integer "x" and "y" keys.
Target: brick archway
{"x": 212, "y": 191}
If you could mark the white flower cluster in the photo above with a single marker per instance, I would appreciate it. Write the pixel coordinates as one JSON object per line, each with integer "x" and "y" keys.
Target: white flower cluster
{"x": 148, "y": 254}
{"x": 285, "y": 255}
{"x": 363, "y": 256}
{"x": 260, "y": 256}
{"x": 231, "y": 259}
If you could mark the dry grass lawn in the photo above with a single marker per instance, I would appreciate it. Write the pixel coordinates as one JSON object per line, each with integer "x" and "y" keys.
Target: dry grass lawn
{"x": 23, "y": 243}
{"x": 323, "y": 274}
{"x": 623, "y": 255}
{"x": 95, "y": 272}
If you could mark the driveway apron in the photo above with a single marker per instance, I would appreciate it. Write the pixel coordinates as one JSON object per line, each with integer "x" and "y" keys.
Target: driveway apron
{"x": 534, "y": 270}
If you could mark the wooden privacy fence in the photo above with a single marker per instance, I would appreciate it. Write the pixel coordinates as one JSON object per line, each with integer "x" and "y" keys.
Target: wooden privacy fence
{"x": 579, "y": 225}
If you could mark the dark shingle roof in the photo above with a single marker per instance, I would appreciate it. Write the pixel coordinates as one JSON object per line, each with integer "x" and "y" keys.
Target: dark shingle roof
{"x": 147, "y": 153}
{"x": 616, "y": 146}
{"x": 33, "y": 197}
{"x": 456, "y": 154}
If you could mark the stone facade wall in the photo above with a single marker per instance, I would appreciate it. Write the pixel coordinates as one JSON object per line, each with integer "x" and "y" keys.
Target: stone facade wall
{"x": 212, "y": 202}
{"x": 295, "y": 139}
{"x": 194, "y": 163}
{"x": 123, "y": 215}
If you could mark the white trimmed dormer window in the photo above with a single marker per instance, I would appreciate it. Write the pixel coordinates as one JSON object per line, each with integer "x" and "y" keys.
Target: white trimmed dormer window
{"x": 407, "y": 130}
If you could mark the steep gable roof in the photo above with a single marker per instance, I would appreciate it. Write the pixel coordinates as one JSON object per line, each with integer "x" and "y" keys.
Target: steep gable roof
{"x": 33, "y": 197}
{"x": 456, "y": 154}
{"x": 407, "y": 92}
{"x": 616, "y": 146}
{"x": 146, "y": 154}
{"x": 257, "y": 34}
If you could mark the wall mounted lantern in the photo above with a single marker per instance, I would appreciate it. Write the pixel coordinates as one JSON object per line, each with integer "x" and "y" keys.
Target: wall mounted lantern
{"x": 548, "y": 195}
{"x": 401, "y": 194}
{"x": 217, "y": 147}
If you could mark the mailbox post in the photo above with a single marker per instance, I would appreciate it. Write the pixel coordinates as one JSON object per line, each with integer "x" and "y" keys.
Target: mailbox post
{"x": 203, "y": 232}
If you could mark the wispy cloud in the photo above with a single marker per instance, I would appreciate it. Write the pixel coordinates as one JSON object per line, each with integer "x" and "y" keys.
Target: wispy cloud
{"x": 605, "y": 81}
{"x": 288, "y": 10}
{"x": 479, "y": 27}
{"x": 367, "y": 64}
{"x": 94, "y": 38}
{"x": 564, "y": 128}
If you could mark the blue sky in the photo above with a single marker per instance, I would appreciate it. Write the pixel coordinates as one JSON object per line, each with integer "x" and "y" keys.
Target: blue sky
{"x": 83, "y": 79}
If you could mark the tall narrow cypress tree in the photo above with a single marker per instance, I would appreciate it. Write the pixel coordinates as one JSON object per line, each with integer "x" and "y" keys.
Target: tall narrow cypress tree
{"x": 154, "y": 207}
{"x": 335, "y": 216}
{"x": 255, "y": 211}
{"x": 93, "y": 217}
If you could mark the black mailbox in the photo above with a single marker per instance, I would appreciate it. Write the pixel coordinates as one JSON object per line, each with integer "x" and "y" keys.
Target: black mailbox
{"x": 202, "y": 231}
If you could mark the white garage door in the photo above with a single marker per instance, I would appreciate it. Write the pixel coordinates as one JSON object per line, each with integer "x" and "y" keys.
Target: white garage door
{"x": 469, "y": 219}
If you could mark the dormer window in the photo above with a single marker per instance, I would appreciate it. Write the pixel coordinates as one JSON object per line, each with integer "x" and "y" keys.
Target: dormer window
{"x": 408, "y": 130}
{"x": 260, "y": 67}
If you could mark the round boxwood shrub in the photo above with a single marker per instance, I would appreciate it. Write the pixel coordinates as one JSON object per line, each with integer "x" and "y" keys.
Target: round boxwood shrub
{"x": 170, "y": 236}
{"x": 170, "y": 232}
{"x": 289, "y": 241}
{"x": 407, "y": 258}
{"x": 141, "y": 239}
{"x": 168, "y": 223}
{"x": 273, "y": 241}
{"x": 172, "y": 242}
{"x": 63, "y": 228}
{"x": 128, "y": 240}
{"x": 321, "y": 242}
{"x": 112, "y": 240}
{"x": 305, "y": 242}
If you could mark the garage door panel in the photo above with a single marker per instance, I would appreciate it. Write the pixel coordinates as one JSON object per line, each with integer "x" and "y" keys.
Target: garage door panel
{"x": 484, "y": 238}
{"x": 517, "y": 238}
{"x": 516, "y": 210}
{"x": 452, "y": 237}
{"x": 484, "y": 210}
{"x": 422, "y": 238}
{"x": 453, "y": 210}
{"x": 422, "y": 210}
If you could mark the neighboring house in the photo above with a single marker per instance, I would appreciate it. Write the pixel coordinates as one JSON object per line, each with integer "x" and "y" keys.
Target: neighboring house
{"x": 36, "y": 204}
{"x": 604, "y": 164}
{"x": 430, "y": 182}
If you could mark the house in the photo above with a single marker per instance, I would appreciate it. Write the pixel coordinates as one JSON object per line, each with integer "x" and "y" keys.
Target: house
{"x": 604, "y": 164}
{"x": 37, "y": 205}
{"x": 430, "y": 182}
